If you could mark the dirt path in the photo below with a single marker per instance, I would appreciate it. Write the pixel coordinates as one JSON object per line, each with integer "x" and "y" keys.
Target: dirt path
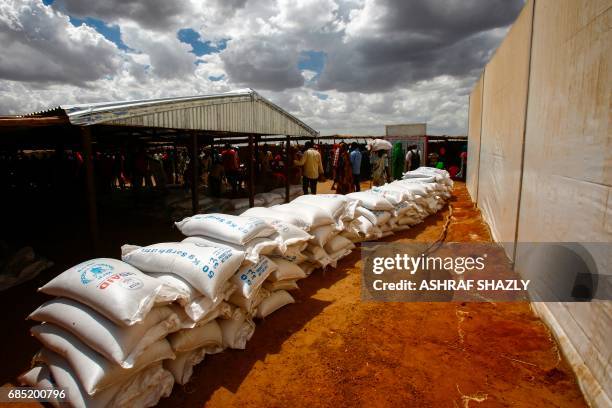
{"x": 330, "y": 349}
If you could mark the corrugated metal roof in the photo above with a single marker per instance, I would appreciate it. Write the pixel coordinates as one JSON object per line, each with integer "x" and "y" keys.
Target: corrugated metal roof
{"x": 241, "y": 111}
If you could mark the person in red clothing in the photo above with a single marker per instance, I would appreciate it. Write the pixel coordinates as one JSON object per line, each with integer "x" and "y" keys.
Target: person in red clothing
{"x": 231, "y": 166}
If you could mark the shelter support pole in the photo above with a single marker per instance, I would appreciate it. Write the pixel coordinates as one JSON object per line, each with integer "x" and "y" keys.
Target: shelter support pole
{"x": 287, "y": 167}
{"x": 251, "y": 172}
{"x": 195, "y": 199}
{"x": 90, "y": 190}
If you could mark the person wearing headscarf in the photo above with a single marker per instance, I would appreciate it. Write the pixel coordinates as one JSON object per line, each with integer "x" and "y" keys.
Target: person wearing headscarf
{"x": 397, "y": 160}
{"x": 343, "y": 171}
{"x": 380, "y": 168}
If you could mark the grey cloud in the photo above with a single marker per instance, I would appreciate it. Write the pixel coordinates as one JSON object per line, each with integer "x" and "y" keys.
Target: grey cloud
{"x": 152, "y": 14}
{"x": 262, "y": 63}
{"x": 418, "y": 40}
{"x": 36, "y": 48}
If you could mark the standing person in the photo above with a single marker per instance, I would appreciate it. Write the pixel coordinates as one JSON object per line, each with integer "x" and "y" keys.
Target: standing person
{"x": 312, "y": 168}
{"x": 397, "y": 160}
{"x": 413, "y": 159}
{"x": 231, "y": 166}
{"x": 380, "y": 168}
{"x": 343, "y": 171}
{"x": 355, "y": 158}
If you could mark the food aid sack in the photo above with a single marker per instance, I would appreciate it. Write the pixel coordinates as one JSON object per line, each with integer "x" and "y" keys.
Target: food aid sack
{"x": 371, "y": 201}
{"x": 222, "y": 311}
{"x": 250, "y": 277}
{"x": 230, "y": 228}
{"x": 119, "y": 344}
{"x": 337, "y": 243}
{"x": 182, "y": 366}
{"x": 249, "y": 306}
{"x": 286, "y": 271}
{"x": 252, "y": 249}
{"x": 94, "y": 372}
{"x": 287, "y": 234}
{"x": 290, "y": 284}
{"x": 207, "y": 336}
{"x": 143, "y": 388}
{"x": 113, "y": 288}
{"x": 237, "y": 330}
{"x": 274, "y": 302}
{"x": 308, "y": 267}
{"x": 317, "y": 255}
{"x": 322, "y": 234}
{"x": 269, "y": 213}
{"x": 338, "y": 206}
{"x": 205, "y": 268}
{"x": 310, "y": 215}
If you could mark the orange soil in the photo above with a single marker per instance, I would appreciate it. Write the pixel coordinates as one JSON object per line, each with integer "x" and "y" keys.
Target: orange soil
{"x": 331, "y": 349}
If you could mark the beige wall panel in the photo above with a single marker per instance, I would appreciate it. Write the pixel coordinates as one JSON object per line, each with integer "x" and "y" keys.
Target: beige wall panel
{"x": 505, "y": 95}
{"x": 474, "y": 123}
{"x": 567, "y": 175}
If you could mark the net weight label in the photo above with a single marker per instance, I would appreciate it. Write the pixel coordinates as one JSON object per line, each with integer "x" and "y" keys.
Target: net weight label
{"x": 27, "y": 394}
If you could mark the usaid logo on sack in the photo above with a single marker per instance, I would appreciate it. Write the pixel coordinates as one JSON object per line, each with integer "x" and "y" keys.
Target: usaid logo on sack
{"x": 95, "y": 272}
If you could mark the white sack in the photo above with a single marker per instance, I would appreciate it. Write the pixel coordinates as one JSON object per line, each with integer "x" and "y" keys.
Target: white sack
{"x": 231, "y": 228}
{"x": 182, "y": 366}
{"x": 237, "y": 330}
{"x": 222, "y": 311}
{"x": 205, "y": 268}
{"x": 321, "y": 235}
{"x": 95, "y": 373}
{"x": 337, "y": 243}
{"x": 286, "y": 271}
{"x": 335, "y": 205}
{"x": 316, "y": 254}
{"x": 249, "y": 305}
{"x": 119, "y": 344}
{"x": 269, "y": 213}
{"x": 196, "y": 305}
{"x": 372, "y": 201}
{"x": 252, "y": 249}
{"x": 281, "y": 285}
{"x": 288, "y": 234}
{"x": 250, "y": 277}
{"x": 142, "y": 389}
{"x": 207, "y": 336}
{"x": 311, "y": 215}
{"x": 274, "y": 302}
{"x": 307, "y": 267}
{"x": 113, "y": 288}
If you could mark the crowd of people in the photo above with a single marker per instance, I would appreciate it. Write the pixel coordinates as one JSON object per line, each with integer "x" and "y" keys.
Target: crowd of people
{"x": 222, "y": 170}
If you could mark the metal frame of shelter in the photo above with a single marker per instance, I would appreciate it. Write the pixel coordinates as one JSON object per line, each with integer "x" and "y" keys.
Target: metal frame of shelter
{"x": 237, "y": 117}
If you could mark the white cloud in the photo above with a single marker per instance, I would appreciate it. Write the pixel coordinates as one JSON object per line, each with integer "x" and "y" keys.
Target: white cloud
{"x": 386, "y": 61}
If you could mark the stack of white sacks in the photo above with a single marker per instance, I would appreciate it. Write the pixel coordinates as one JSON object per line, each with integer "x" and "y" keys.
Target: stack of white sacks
{"x": 122, "y": 333}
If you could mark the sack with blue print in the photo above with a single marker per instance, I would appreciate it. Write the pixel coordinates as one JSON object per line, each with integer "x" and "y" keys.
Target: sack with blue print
{"x": 230, "y": 228}
{"x": 205, "y": 268}
{"x": 113, "y": 288}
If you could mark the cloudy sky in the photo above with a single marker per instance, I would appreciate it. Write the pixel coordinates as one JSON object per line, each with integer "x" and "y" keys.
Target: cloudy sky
{"x": 342, "y": 66}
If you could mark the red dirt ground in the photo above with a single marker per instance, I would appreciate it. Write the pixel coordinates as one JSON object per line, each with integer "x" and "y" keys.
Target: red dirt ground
{"x": 330, "y": 349}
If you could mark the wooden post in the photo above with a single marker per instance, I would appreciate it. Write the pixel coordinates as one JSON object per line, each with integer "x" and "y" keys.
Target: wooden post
{"x": 251, "y": 173}
{"x": 195, "y": 199}
{"x": 90, "y": 190}
{"x": 287, "y": 167}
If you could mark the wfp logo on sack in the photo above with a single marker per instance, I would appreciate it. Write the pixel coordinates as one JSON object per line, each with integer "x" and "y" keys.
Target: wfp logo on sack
{"x": 94, "y": 272}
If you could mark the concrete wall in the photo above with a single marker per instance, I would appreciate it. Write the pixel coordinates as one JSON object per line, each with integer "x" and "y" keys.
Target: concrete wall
{"x": 503, "y": 120}
{"x": 474, "y": 124}
{"x": 567, "y": 170}
{"x": 411, "y": 129}
{"x": 559, "y": 189}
